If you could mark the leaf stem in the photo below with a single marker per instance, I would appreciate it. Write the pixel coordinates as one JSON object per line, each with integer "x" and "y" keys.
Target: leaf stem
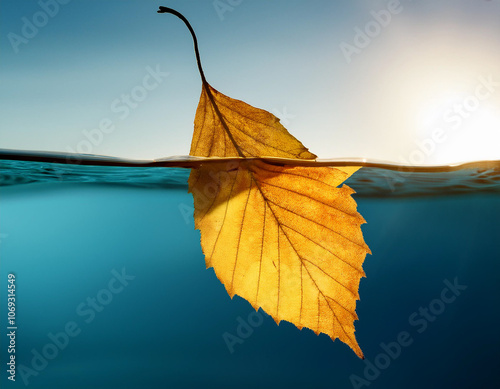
{"x": 195, "y": 41}
{"x": 206, "y": 85}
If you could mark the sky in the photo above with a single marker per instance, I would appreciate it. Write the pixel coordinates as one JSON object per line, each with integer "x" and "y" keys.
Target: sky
{"x": 413, "y": 82}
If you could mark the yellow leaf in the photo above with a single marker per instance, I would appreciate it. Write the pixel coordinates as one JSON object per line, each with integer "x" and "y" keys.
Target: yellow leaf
{"x": 285, "y": 238}
{"x": 244, "y": 131}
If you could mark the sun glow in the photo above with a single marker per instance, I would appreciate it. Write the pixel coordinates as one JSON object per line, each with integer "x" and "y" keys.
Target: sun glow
{"x": 443, "y": 95}
{"x": 459, "y": 126}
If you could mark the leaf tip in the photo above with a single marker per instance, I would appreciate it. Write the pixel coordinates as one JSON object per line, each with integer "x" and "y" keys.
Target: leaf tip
{"x": 230, "y": 293}
{"x": 357, "y": 350}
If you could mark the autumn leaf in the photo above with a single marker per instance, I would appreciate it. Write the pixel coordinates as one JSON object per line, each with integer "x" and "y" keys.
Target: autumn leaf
{"x": 225, "y": 127}
{"x": 285, "y": 238}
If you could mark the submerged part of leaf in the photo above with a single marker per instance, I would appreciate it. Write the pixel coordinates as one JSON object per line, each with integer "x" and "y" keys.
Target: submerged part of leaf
{"x": 286, "y": 239}
{"x": 244, "y": 131}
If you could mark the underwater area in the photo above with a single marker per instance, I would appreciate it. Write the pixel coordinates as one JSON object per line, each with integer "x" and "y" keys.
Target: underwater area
{"x": 112, "y": 289}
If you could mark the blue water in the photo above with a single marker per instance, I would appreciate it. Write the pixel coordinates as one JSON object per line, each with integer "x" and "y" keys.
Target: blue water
{"x": 164, "y": 328}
